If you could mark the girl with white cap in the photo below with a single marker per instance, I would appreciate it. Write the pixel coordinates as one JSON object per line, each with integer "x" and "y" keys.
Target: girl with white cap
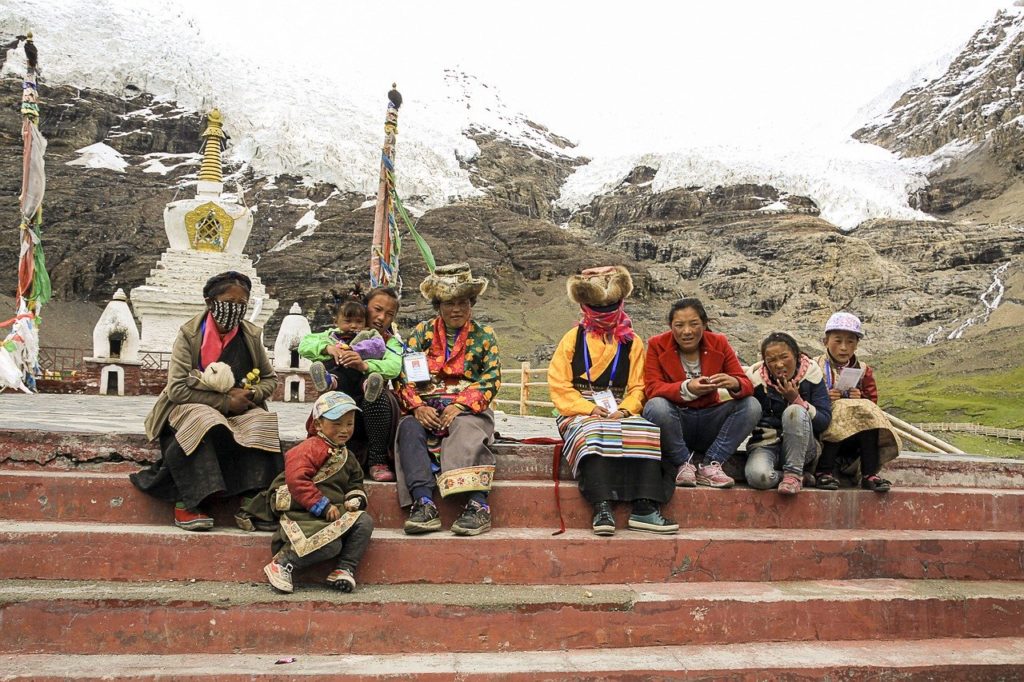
{"x": 860, "y": 438}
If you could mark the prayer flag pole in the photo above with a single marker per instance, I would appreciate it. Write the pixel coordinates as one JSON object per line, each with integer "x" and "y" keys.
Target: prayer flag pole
{"x": 386, "y": 247}
{"x": 19, "y": 352}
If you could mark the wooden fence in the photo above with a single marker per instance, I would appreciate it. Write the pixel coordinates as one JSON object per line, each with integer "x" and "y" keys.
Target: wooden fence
{"x": 528, "y": 379}
{"x": 993, "y": 431}
{"x": 916, "y": 435}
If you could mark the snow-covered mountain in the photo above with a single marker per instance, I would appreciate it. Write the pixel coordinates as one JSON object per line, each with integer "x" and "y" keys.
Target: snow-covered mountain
{"x": 312, "y": 121}
{"x": 325, "y": 124}
{"x": 979, "y": 95}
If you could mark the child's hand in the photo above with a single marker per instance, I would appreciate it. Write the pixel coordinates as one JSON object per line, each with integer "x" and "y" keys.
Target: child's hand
{"x": 789, "y": 389}
{"x": 854, "y": 393}
{"x": 834, "y": 394}
{"x": 352, "y": 504}
{"x": 333, "y": 513}
{"x": 334, "y": 351}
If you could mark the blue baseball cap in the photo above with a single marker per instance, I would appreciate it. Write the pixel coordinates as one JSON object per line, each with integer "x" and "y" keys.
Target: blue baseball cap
{"x": 333, "y": 404}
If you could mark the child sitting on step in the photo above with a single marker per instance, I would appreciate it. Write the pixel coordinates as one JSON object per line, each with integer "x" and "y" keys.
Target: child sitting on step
{"x": 350, "y": 333}
{"x": 860, "y": 435}
{"x": 794, "y": 410}
{"x": 319, "y": 501}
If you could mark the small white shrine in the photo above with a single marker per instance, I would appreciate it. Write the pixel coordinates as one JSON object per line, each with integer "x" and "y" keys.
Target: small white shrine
{"x": 207, "y": 235}
{"x": 292, "y": 370}
{"x": 115, "y": 346}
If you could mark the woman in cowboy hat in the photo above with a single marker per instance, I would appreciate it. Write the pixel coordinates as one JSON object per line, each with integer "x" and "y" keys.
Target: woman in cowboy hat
{"x": 451, "y": 372}
{"x": 596, "y": 379}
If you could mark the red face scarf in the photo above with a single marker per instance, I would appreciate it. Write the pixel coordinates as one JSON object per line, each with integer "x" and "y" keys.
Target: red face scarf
{"x": 213, "y": 342}
{"x": 615, "y": 324}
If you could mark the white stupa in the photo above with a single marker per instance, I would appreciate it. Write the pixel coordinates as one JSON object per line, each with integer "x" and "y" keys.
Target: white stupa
{"x": 294, "y": 327}
{"x": 207, "y": 235}
{"x": 115, "y": 335}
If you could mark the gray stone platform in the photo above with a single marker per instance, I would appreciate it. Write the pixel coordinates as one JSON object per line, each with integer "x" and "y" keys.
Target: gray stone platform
{"x": 125, "y": 415}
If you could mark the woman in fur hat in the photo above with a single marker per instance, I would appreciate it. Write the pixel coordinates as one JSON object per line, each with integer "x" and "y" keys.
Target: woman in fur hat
{"x": 451, "y": 372}
{"x": 596, "y": 379}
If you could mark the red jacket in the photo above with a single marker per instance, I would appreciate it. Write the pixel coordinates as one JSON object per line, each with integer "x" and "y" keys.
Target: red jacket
{"x": 664, "y": 373}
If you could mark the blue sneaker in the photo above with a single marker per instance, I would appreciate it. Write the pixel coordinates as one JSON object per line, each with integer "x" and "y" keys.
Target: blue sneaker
{"x": 652, "y": 523}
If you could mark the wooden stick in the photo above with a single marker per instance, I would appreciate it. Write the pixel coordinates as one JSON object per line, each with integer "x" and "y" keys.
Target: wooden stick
{"x": 924, "y": 436}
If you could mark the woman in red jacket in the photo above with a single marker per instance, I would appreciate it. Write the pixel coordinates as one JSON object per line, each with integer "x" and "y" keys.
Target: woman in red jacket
{"x": 699, "y": 395}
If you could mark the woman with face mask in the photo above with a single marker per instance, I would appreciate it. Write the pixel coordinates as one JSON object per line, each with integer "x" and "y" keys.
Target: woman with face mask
{"x": 214, "y": 441}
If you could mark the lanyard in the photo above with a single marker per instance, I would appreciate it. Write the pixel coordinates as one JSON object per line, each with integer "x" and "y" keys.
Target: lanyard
{"x": 447, "y": 350}
{"x": 615, "y": 362}
{"x": 828, "y": 374}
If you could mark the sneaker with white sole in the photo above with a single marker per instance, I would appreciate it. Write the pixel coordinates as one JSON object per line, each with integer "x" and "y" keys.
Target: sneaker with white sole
{"x": 686, "y": 477}
{"x": 341, "y": 579}
{"x": 712, "y": 476}
{"x": 652, "y": 523}
{"x": 604, "y": 520}
{"x": 280, "y": 576}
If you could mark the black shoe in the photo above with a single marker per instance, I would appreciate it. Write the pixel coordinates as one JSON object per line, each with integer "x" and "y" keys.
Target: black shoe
{"x": 826, "y": 481}
{"x": 475, "y": 519}
{"x": 875, "y": 483}
{"x": 604, "y": 520}
{"x": 423, "y": 518}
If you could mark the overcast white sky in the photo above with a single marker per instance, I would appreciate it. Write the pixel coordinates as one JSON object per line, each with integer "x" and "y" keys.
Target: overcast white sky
{"x": 620, "y": 76}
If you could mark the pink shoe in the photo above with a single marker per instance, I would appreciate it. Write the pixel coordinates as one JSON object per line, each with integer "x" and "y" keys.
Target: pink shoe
{"x": 686, "y": 477}
{"x": 712, "y": 476}
{"x": 791, "y": 484}
{"x": 382, "y": 474}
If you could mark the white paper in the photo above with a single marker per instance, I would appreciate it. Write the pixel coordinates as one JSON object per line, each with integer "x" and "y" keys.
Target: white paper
{"x": 416, "y": 368}
{"x": 606, "y": 400}
{"x": 848, "y": 378}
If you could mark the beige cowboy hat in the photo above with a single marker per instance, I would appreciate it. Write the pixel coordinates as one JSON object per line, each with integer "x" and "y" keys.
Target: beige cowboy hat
{"x": 598, "y": 287}
{"x": 449, "y": 282}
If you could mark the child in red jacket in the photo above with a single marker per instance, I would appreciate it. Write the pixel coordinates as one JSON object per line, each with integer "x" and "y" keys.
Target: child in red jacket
{"x": 320, "y": 501}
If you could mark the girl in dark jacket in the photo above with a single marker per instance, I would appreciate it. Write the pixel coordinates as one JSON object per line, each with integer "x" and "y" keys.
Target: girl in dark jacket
{"x": 795, "y": 409}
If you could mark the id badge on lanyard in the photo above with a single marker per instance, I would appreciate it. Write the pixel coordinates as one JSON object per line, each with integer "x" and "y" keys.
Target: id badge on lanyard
{"x": 605, "y": 398}
{"x": 416, "y": 368}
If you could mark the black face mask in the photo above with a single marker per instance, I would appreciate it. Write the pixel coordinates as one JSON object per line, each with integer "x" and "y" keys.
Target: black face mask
{"x": 228, "y": 315}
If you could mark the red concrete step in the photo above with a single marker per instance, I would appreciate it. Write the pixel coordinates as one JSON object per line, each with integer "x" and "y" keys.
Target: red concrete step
{"x": 219, "y": 618}
{"x": 110, "y": 498}
{"x": 965, "y": 660}
{"x": 85, "y": 551}
{"x": 123, "y": 452}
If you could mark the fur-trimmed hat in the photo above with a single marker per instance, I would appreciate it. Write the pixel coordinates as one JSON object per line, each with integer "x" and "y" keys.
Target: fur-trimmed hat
{"x": 449, "y": 282}
{"x": 596, "y": 287}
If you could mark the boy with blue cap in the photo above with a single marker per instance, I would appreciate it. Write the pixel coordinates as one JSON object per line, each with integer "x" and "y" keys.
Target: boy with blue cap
{"x": 319, "y": 500}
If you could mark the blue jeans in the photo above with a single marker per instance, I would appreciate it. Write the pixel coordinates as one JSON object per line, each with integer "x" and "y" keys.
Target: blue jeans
{"x": 716, "y": 430}
{"x": 796, "y": 451}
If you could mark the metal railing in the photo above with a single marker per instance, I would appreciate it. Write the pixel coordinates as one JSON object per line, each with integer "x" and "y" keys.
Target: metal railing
{"x": 59, "y": 364}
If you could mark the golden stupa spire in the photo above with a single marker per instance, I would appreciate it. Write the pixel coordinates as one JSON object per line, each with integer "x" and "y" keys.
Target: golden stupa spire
{"x": 214, "y": 143}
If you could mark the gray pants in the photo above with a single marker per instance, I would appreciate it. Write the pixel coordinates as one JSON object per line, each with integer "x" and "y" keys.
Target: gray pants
{"x": 349, "y": 548}
{"x": 795, "y": 452}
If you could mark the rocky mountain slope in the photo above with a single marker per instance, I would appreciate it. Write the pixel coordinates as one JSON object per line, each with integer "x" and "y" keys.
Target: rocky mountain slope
{"x": 968, "y": 122}
{"x": 761, "y": 258}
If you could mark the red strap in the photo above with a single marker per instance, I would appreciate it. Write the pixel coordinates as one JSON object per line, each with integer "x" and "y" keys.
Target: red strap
{"x": 555, "y": 467}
